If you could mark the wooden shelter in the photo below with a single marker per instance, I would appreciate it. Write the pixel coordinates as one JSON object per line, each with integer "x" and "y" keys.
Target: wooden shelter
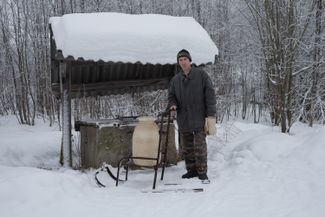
{"x": 76, "y": 71}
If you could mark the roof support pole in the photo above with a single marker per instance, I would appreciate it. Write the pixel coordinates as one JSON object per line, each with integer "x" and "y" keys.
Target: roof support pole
{"x": 66, "y": 145}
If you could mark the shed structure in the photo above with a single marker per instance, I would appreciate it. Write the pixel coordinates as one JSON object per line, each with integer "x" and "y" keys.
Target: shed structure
{"x": 114, "y": 53}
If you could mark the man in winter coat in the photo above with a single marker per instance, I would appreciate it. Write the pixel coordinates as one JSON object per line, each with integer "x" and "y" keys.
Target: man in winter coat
{"x": 191, "y": 95}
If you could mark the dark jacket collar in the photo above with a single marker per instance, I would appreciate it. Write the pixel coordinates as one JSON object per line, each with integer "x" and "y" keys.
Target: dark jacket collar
{"x": 190, "y": 74}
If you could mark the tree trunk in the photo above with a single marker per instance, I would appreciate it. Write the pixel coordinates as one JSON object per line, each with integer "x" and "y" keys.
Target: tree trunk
{"x": 316, "y": 64}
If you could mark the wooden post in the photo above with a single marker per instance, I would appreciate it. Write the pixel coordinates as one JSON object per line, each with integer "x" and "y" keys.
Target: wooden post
{"x": 65, "y": 78}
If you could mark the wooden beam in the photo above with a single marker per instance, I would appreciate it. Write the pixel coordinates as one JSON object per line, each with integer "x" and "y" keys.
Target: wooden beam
{"x": 126, "y": 85}
{"x": 66, "y": 151}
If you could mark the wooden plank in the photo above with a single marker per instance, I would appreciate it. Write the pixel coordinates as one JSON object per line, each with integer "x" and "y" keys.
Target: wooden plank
{"x": 121, "y": 86}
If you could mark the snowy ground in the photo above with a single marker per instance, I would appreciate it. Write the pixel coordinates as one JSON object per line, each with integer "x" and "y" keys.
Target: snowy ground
{"x": 255, "y": 171}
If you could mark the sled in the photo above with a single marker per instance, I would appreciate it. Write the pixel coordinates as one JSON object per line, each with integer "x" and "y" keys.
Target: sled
{"x": 161, "y": 155}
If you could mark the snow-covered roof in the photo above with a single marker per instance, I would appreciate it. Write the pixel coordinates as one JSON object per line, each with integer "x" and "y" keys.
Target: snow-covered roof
{"x": 145, "y": 38}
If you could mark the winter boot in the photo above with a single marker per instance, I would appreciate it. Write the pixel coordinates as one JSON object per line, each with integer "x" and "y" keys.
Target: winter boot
{"x": 203, "y": 176}
{"x": 190, "y": 174}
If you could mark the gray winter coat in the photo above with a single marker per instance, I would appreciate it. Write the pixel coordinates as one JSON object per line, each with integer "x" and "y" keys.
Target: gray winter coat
{"x": 194, "y": 98}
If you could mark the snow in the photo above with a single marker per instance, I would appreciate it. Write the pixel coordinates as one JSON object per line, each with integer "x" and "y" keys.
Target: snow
{"x": 255, "y": 171}
{"x": 147, "y": 38}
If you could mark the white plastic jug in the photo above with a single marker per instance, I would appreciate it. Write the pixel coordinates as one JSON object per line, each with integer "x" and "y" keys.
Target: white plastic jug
{"x": 145, "y": 141}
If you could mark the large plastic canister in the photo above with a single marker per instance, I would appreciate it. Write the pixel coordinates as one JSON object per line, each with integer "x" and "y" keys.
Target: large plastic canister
{"x": 145, "y": 141}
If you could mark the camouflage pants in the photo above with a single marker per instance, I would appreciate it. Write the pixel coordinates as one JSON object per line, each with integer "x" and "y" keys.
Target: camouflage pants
{"x": 195, "y": 151}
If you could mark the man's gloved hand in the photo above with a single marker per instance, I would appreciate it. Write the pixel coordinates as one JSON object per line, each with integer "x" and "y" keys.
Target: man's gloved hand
{"x": 210, "y": 126}
{"x": 173, "y": 112}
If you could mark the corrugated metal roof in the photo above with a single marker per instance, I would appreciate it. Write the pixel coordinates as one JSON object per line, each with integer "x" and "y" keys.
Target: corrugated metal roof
{"x": 145, "y": 38}
{"x": 99, "y": 78}
{"x": 91, "y": 78}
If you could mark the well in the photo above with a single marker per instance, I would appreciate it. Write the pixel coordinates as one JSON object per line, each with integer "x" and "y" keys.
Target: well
{"x": 110, "y": 140}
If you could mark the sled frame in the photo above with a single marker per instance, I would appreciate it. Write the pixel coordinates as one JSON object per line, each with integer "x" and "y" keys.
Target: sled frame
{"x": 162, "y": 151}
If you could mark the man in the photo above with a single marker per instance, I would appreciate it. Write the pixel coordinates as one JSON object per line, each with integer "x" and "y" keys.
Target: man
{"x": 191, "y": 95}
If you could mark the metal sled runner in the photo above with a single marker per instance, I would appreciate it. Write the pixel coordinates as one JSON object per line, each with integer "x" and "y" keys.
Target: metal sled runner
{"x": 161, "y": 157}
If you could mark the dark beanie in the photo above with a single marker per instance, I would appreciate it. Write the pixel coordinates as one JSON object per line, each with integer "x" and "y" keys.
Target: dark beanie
{"x": 184, "y": 53}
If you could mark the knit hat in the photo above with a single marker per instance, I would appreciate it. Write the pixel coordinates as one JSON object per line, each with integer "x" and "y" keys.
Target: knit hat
{"x": 184, "y": 53}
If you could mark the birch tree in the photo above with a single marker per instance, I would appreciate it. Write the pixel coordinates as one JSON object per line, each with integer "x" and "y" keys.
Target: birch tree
{"x": 316, "y": 102}
{"x": 279, "y": 32}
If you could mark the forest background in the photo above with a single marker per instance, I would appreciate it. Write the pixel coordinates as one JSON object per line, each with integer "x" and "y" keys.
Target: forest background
{"x": 270, "y": 64}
